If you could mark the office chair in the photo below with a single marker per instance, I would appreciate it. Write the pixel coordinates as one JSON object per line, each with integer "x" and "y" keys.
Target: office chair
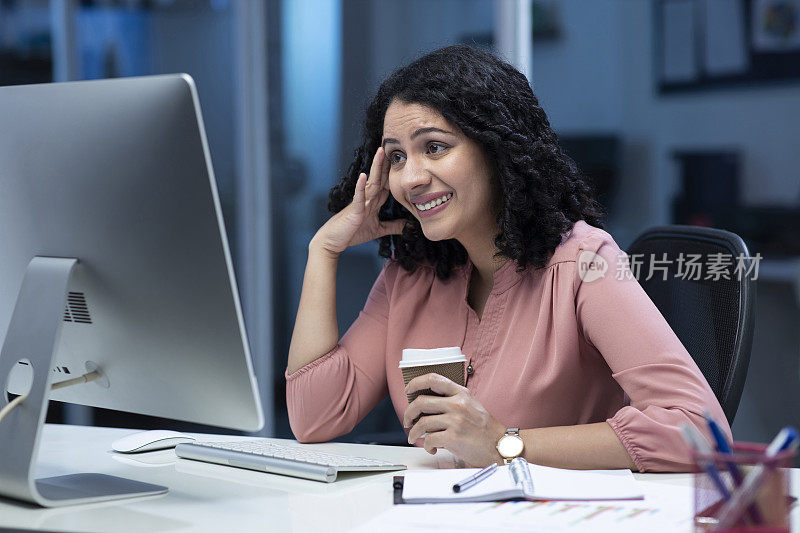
{"x": 713, "y": 318}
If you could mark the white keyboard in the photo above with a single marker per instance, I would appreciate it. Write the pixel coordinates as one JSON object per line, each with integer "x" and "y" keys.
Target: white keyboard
{"x": 285, "y": 459}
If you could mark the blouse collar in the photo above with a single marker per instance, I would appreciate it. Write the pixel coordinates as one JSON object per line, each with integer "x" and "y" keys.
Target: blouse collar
{"x": 504, "y": 277}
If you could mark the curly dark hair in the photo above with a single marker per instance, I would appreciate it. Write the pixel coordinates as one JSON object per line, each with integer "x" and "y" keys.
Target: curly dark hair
{"x": 542, "y": 191}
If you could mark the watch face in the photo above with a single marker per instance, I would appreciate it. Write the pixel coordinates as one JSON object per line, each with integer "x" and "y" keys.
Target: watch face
{"x": 510, "y": 446}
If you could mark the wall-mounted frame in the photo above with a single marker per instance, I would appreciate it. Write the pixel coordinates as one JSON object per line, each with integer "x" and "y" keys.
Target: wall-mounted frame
{"x": 709, "y": 44}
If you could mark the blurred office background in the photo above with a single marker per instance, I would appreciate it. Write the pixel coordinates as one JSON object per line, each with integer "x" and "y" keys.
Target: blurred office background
{"x": 680, "y": 111}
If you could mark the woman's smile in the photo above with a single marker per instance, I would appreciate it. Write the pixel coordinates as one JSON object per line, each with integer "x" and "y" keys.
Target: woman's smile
{"x": 434, "y": 206}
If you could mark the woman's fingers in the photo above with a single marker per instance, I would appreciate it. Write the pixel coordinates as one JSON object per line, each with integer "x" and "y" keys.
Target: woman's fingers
{"x": 382, "y": 196}
{"x": 358, "y": 196}
{"x": 436, "y": 382}
{"x": 359, "y": 205}
{"x": 427, "y": 424}
{"x": 375, "y": 204}
{"x": 369, "y": 196}
{"x": 374, "y": 182}
{"x": 377, "y": 164}
{"x": 374, "y": 187}
{"x": 424, "y": 405}
{"x": 436, "y": 440}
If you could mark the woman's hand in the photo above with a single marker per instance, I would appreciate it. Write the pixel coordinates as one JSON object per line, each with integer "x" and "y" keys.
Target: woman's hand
{"x": 358, "y": 222}
{"x": 456, "y": 421}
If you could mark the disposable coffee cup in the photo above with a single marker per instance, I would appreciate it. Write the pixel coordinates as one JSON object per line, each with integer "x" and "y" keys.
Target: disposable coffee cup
{"x": 448, "y": 362}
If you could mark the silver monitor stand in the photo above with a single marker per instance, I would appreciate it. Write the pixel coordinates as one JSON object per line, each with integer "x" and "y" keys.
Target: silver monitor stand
{"x": 33, "y": 335}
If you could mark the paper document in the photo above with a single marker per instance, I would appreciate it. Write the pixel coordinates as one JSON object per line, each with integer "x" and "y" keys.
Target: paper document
{"x": 665, "y": 509}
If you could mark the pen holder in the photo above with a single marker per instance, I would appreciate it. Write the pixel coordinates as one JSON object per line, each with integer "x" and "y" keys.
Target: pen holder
{"x": 771, "y": 504}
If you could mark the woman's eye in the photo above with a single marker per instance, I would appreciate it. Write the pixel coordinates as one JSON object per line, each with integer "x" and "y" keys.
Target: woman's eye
{"x": 396, "y": 158}
{"x": 436, "y": 148}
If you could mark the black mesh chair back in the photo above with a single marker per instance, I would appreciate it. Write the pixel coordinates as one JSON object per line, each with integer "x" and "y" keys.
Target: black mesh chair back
{"x": 702, "y": 281}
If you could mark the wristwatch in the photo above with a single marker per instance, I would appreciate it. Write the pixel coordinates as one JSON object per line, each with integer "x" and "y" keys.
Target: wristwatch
{"x": 510, "y": 445}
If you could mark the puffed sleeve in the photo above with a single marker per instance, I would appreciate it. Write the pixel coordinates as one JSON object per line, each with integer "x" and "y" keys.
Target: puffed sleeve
{"x": 665, "y": 386}
{"x": 329, "y": 396}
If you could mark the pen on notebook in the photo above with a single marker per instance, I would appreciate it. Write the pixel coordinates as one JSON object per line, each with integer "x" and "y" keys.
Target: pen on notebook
{"x": 733, "y": 468}
{"x": 732, "y": 510}
{"x": 698, "y": 443}
{"x": 475, "y": 478}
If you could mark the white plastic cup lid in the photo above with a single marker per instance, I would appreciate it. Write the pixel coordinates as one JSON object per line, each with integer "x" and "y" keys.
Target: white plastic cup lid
{"x": 434, "y": 356}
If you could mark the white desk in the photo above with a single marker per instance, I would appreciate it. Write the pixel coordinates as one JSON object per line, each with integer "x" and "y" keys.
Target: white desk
{"x": 205, "y": 497}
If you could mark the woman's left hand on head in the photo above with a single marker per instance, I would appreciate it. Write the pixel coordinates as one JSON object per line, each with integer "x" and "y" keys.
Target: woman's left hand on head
{"x": 455, "y": 421}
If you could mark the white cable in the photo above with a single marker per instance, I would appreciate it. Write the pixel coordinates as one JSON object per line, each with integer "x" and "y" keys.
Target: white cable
{"x": 11, "y": 405}
{"x": 86, "y": 378}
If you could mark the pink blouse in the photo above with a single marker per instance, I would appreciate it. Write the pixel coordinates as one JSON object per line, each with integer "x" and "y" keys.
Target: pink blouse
{"x": 561, "y": 345}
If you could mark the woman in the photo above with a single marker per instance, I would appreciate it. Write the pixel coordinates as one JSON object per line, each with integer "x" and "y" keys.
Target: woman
{"x": 494, "y": 245}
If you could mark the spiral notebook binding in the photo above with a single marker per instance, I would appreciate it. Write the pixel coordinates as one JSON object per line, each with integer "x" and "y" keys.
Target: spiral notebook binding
{"x": 521, "y": 475}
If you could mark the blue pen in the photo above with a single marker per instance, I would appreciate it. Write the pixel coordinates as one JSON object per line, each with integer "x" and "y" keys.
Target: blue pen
{"x": 786, "y": 439}
{"x": 723, "y": 446}
{"x": 698, "y": 443}
{"x": 733, "y": 468}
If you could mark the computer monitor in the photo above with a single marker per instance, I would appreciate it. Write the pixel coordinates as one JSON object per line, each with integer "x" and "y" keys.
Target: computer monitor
{"x": 113, "y": 258}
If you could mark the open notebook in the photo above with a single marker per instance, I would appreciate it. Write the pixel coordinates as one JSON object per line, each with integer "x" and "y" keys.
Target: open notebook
{"x": 436, "y": 486}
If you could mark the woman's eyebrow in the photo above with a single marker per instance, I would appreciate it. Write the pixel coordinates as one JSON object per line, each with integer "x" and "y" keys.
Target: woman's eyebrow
{"x": 417, "y": 133}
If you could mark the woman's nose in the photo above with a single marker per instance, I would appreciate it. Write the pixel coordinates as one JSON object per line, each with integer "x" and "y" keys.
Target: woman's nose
{"x": 414, "y": 175}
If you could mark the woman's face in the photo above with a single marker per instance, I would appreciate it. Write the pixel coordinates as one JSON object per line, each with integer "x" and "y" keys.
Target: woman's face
{"x": 439, "y": 174}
